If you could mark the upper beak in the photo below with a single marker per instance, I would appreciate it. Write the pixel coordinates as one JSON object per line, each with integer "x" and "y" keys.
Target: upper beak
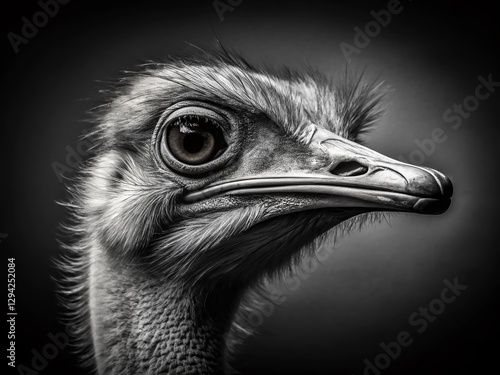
{"x": 357, "y": 177}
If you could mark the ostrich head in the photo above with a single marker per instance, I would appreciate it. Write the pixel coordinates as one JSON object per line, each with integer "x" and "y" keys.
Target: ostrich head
{"x": 208, "y": 176}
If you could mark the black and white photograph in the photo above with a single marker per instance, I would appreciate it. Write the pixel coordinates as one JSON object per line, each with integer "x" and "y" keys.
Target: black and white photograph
{"x": 243, "y": 187}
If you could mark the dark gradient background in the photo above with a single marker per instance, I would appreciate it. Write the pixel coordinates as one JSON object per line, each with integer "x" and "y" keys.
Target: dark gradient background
{"x": 429, "y": 55}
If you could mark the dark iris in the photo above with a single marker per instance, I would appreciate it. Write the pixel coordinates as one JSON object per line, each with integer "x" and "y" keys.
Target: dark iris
{"x": 195, "y": 140}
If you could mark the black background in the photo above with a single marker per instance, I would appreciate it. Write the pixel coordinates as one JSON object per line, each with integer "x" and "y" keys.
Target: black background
{"x": 430, "y": 56}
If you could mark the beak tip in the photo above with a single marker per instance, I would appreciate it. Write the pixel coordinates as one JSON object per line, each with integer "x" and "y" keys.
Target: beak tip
{"x": 432, "y": 206}
{"x": 447, "y": 188}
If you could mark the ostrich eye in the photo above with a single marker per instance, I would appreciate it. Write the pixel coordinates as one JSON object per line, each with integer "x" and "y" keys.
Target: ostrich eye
{"x": 195, "y": 140}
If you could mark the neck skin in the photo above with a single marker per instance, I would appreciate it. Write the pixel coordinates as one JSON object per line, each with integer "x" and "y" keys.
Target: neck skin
{"x": 142, "y": 326}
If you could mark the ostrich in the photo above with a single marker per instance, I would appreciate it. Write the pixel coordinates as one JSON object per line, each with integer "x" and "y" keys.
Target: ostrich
{"x": 209, "y": 176}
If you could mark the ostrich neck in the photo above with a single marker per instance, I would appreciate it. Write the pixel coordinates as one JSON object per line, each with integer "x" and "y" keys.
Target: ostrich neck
{"x": 140, "y": 325}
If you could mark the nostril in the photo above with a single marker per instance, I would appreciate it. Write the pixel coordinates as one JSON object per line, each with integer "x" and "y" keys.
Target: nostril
{"x": 349, "y": 169}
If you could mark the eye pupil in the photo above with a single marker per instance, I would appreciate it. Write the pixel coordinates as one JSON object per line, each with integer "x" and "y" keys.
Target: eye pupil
{"x": 193, "y": 142}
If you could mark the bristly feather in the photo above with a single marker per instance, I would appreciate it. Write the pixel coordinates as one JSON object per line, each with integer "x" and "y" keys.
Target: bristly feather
{"x": 121, "y": 202}
{"x": 347, "y": 105}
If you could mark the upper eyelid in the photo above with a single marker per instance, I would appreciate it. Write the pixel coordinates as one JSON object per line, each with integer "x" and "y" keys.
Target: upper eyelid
{"x": 189, "y": 123}
{"x": 195, "y": 111}
{"x": 222, "y": 121}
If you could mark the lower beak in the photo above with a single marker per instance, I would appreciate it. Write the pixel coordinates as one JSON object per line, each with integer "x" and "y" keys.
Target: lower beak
{"x": 356, "y": 178}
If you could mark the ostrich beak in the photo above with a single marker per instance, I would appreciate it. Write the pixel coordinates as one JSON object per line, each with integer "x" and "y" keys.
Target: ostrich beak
{"x": 357, "y": 178}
